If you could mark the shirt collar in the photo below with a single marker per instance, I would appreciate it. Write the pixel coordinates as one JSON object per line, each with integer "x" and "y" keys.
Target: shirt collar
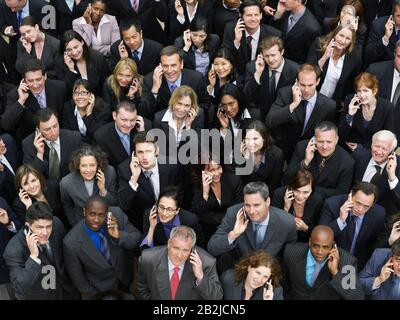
{"x": 154, "y": 169}
{"x": 175, "y": 222}
{"x": 372, "y": 163}
{"x": 311, "y": 260}
{"x": 177, "y": 82}
{"x": 297, "y": 16}
{"x": 57, "y": 142}
{"x": 171, "y": 266}
{"x": 313, "y": 99}
{"x": 265, "y": 222}
{"x": 119, "y": 133}
{"x": 255, "y": 35}
{"x": 91, "y": 232}
{"x": 140, "y": 49}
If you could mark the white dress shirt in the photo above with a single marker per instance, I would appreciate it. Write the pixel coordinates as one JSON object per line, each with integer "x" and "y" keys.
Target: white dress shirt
{"x": 332, "y": 77}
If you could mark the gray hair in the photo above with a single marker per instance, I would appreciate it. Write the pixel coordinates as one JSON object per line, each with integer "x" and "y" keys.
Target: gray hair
{"x": 385, "y": 135}
{"x": 257, "y": 187}
{"x": 184, "y": 233}
{"x": 326, "y": 126}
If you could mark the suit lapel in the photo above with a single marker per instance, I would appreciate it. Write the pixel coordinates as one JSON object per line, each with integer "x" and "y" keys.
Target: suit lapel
{"x": 186, "y": 282}
{"x": 271, "y": 229}
{"x": 315, "y": 115}
{"x": 329, "y": 167}
{"x": 162, "y": 277}
{"x": 250, "y": 234}
{"x": 145, "y": 184}
{"x": 90, "y": 249}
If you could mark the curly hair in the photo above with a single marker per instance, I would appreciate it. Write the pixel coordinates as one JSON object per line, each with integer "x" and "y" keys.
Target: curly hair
{"x": 255, "y": 260}
{"x": 87, "y": 150}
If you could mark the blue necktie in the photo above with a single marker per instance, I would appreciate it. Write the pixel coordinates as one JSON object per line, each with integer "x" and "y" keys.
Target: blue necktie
{"x": 125, "y": 143}
{"x": 357, "y": 227}
{"x": 258, "y": 236}
{"x": 317, "y": 269}
{"x": 19, "y": 17}
{"x": 136, "y": 56}
{"x": 173, "y": 87}
{"x": 105, "y": 251}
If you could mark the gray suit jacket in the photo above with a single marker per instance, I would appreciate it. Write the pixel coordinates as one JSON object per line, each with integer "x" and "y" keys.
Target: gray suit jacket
{"x": 154, "y": 282}
{"x": 86, "y": 266}
{"x": 74, "y": 193}
{"x": 109, "y": 32}
{"x": 281, "y": 230}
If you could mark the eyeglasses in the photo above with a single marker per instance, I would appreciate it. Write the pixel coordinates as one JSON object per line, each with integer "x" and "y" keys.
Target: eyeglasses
{"x": 168, "y": 209}
{"x": 81, "y": 94}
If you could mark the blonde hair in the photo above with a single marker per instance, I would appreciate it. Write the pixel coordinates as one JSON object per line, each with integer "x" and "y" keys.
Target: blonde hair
{"x": 325, "y": 40}
{"x": 183, "y": 91}
{"x": 126, "y": 63}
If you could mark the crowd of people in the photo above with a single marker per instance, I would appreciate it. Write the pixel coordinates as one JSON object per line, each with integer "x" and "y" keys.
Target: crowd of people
{"x": 109, "y": 189}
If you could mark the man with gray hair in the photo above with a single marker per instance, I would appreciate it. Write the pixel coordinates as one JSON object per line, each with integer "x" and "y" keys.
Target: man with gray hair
{"x": 251, "y": 225}
{"x": 330, "y": 165}
{"x": 165, "y": 272}
{"x": 379, "y": 166}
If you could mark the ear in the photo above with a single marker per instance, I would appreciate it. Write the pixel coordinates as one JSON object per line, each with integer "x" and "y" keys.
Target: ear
{"x": 318, "y": 80}
{"x": 268, "y": 201}
{"x": 114, "y": 115}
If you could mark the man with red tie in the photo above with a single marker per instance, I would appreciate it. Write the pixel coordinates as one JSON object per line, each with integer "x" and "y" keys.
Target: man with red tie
{"x": 178, "y": 270}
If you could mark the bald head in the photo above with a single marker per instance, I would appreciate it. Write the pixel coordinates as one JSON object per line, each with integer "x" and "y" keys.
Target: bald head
{"x": 321, "y": 242}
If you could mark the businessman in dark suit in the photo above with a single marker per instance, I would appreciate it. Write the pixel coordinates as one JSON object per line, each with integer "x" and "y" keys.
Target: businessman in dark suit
{"x": 9, "y": 224}
{"x": 381, "y": 157}
{"x": 243, "y": 36}
{"x": 330, "y": 165}
{"x": 67, "y": 11}
{"x": 10, "y": 159}
{"x": 115, "y": 138}
{"x": 145, "y": 52}
{"x": 138, "y": 188}
{"x": 96, "y": 249}
{"x": 159, "y": 85}
{"x": 299, "y": 29}
{"x": 383, "y": 36}
{"x": 388, "y": 75}
{"x": 316, "y": 270}
{"x": 179, "y": 270}
{"x": 34, "y": 93}
{"x": 267, "y": 74}
{"x": 148, "y": 12}
{"x": 34, "y": 256}
{"x": 298, "y": 109}
{"x": 250, "y": 226}
{"x": 376, "y": 8}
{"x": 225, "y": 11}
{"x": 49, "y": 149}
{"x": 381, "y": 276}
{"x": 355, "y": 220}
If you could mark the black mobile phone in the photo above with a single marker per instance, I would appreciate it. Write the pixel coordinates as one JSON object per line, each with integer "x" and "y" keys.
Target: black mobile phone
{"x": 222, "y": 110}
{"x": 246, "y": 217}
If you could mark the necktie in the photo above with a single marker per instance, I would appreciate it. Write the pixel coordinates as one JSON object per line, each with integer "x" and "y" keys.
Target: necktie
{"x": 46, "y": 250}
{"x": 19, "y": 17}
{"x": 135, "y": 5}
{"x": 249, "y": 47}
{"x": 54, "y": 163}
{"x": 125, "y": 143}
{"x": 105, "y": 251}
{"x": 258, "y": 236}
{"x": 136, "y": 56}
{"x": 40, "y": 101}
{"x": 272, "y": 85}
{"x": 174, "y": 283}
{"x": 396, "y": 288}
{"x": 290, "y": 24}
{"x": 322, "y": 164}
{"x": 377, "y": 175}
{"x": 356, "y": 226}
{"x": 173, "y": 87}
{"x": 317, "y": 269}
{"x": 148, "y": 175}
{"x": 396, "y": 94}
{"x": 302, "y": 110}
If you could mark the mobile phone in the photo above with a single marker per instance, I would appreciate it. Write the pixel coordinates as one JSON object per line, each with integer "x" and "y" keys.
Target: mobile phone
{"x": 245, "y": 215}
{"x": 137, "y": 125}
{"x": 266, "y": 284}
{"x": 221, "y": 109}
{"x": 27, "y": 230}
{"x": 194, "y": 250}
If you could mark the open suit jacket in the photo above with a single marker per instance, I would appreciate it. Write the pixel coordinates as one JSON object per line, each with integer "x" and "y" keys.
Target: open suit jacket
{"x": 154, "y": 282}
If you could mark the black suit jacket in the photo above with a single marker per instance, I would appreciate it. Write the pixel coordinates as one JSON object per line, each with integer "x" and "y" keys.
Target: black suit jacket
{"x": 107, "y": 138}
{"x": 97, "y": 72}
{"x": 69, "y": 141}
{"x": 5, "y": 236}
{"x": 65, "y": 16}
{"x": 222, "y": 17}
{"x": 373, "y": 8}
{"x": 375, "y": 50}
{"x": 190, "y": 78}
{"x": 149, "y": 60}
{"x": 389, "y": 199}
{"x": 240, "y": 54}
{"x": 149, "y": 12}
{"x": 20, "y": 119}
{"x": 26, "y": 275}
{"x": 7, "y": 178}
{"x": 186, "y": 218}
{"x": 300, "y": 37}
{"x": 351, "y": 68}
{"x": 384, "y": 73}
{"x": 326, "y": 286}
{"x": 371, "y": 228}
{"x": 322, "y": 9}
{"x": 189, "y": 58}
{"x": 311, "y": 214}
{"x": 288, "y": 127}
{"x": 257, "y": 95}
{"x": 335, "y": 178}
{"x": 136, "y": 202}
{"x": 358, "y": 133}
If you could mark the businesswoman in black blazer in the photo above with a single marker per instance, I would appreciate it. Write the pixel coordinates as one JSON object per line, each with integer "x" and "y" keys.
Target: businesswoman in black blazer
{"x": 255, "y": 277}
{"x": 36, "y": 44}
{"x": 364, "y": 114}
{"x": 298, "y": 199}
{"x": 338, "y": 61}
{"x": 32, "y": 187}
{"x": 84, "y": 113}
{"x": 166, "y": 214}
{"x": 76, "y": 60}
{"x": 258, "y": 145}
{"x": 199, "y": 45}
{"x": 124, "y": 84}
{"x": 214, "y": 191}
{"x": 182, "y": 12}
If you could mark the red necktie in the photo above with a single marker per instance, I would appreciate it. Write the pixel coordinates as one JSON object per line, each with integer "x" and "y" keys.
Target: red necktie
{"x": 174, "y": 282}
